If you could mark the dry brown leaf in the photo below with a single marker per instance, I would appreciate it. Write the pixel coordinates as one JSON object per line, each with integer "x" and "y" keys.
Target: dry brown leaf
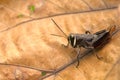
{"x": 32, "y": 45}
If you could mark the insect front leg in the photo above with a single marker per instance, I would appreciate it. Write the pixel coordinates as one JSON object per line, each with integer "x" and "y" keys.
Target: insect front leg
{"x": 65, "y": 45}
{"x": 78, "y": 54}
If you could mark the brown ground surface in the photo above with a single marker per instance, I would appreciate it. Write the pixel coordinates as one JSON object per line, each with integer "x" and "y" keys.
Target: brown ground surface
{"x": 31, "y": 44}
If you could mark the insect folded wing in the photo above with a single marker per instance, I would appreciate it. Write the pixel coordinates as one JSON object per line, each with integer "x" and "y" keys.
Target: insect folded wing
{"x": 104, "y": 37}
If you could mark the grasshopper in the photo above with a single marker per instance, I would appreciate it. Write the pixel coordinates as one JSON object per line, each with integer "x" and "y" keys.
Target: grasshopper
{"x": 87, "y": 40}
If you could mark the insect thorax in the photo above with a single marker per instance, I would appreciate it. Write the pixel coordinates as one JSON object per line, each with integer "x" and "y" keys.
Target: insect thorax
{"x": 80, "y": 40}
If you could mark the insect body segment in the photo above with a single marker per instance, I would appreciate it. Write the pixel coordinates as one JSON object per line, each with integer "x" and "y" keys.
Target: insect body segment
{"x": 81, "y": 40}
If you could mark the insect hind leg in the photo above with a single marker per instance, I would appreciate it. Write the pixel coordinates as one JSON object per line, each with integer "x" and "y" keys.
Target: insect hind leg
{"x": 98, "y": 57}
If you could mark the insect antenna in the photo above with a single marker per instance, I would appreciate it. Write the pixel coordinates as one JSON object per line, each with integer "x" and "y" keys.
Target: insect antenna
{"x": 59, "y": 29}
{"x": 58, "y": 35}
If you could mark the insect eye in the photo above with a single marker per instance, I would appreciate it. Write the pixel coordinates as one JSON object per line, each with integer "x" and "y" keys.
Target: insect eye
{"x": 71, "y": 36}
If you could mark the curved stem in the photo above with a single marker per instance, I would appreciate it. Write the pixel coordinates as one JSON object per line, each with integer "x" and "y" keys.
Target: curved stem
{"x": 39, "y": 18}
{"x": 47, "y": 71}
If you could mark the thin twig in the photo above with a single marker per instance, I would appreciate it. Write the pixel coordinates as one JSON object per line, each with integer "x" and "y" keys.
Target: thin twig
{"x": 46, "y": 71}
{"x": 67, "y": 65}
{"x": 39, "y": 18}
